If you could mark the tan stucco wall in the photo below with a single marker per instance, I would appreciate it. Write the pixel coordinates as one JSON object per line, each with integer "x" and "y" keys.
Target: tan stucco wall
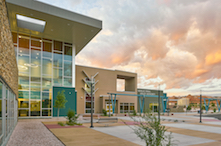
{"x": 107, "y": 83}
{"x": 8, "y": 64}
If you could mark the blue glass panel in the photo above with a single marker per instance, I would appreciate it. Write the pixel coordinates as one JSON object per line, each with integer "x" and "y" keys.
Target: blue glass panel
{"x": 35, "y": 95}
{"x": 68, "y": 82}
{"x": 67, "y": 68}
{"x": 57, "y": 60}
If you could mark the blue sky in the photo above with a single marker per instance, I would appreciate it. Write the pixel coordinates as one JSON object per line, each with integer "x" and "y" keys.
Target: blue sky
{"x": 174, "y": 43}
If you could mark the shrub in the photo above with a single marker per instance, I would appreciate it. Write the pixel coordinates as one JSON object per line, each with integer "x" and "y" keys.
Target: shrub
{"x": 214, "y": 110}
{"x": 175, "y": 120}
{"x": 104, "y": 112}
{"x": 72, "y": 117}
{"x": 134, "y": 113}
{"x": 149, "y": 129}
{"x": 61, "y": 123}
{"x": 189, "y": 108}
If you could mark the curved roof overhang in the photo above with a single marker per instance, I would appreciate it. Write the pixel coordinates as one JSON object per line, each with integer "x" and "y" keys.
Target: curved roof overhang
{"x": 61, "y": 24}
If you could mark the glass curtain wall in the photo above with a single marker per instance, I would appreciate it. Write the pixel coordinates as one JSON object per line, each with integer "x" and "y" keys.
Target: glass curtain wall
{"x": 8, "y": 114}
{"x": 42, "y": 63}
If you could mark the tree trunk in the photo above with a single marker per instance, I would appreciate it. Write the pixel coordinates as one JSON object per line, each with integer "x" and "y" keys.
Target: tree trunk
{"x": 58, "y": 112}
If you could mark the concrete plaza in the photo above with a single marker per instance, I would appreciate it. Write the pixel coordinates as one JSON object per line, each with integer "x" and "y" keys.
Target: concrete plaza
{"x": 186, "y": 130}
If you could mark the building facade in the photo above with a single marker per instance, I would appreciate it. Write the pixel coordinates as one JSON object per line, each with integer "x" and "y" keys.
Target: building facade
{"x": 105, "y": 81}
{"x": 8, "y": 78}
{"x": 46, "y": 40}
{"x": 150, "y": 102}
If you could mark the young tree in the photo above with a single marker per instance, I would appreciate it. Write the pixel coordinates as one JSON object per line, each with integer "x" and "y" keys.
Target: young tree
{"x": 149, "y": 129}
{"x": 60, "y": 101}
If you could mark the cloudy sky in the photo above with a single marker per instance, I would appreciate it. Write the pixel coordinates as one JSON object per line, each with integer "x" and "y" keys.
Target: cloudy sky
{"x": 174, "y": 43}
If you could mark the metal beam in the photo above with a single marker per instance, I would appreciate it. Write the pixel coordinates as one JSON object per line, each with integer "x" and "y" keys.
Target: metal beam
{"x": 137, "y": 95}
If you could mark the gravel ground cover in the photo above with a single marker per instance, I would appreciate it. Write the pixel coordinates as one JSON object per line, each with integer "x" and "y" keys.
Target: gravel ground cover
{"x": 32, "y": 133}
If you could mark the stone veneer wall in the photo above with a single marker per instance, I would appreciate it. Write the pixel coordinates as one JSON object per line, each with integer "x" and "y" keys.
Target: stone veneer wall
{"x": 8, "y": 64}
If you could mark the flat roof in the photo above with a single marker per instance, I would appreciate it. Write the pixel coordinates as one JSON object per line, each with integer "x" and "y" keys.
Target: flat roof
{"x": 61, "y": 24}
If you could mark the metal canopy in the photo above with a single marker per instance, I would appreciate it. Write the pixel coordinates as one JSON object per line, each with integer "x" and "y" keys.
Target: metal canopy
{"x": 61, "y": 25}
{"x": 164, "y": 99}
{"x": 211, "y": 99}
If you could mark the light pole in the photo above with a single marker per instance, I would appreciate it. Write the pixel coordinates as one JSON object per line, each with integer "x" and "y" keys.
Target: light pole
{"x": 159, "y": 104}
{"x": 200, "y": 107}
{"x": 92, "y": 103}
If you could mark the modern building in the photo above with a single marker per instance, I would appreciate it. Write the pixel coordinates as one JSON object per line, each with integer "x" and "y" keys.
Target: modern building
{"x": 38, "y": 46}
{"x": 46, "y": 40}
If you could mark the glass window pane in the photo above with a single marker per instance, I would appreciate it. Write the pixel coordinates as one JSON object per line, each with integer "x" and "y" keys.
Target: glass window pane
{"x": 57, "y": 76}
{"x": 23, "y": 103}
{"x": 47, "y": 49}
{"x": 88, "y": 111}
{"x": 35, "y": 95}
{"x": 46, "y": 83}
{"x": 35, "y": 107}
{"x": 23, "y": 113}
{"x": 57, "y": 57}
{"x": 35, "y": 87}
{"x": 23, "y": 61}
{"x": 46, "y": 112}
{"x": 46, "y": 100}
{"x": 36, "y": 43}
{"x": 67, "y": 81}
{"x": 88, "y": 104}
{"x": 23, "y": 46}
{"x": 23, "y": 82}
{"x": 35, "y": 57}
{"x": 67, "y": 68}
{"x": 57, "y": 46}
{"x": 23, "y": 94}
{"x": 47, "y": 66}
{"x": 67, "y": 53}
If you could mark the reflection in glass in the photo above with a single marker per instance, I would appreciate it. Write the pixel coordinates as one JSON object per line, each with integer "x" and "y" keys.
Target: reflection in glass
{"x": 46, "y": 83}
{"x": 47, "y": 49}
{"x": 23, "y": 82}
{"x": 57, "y": 76}
{"x": 67, "y": 81}
{"x": 23, "y": 46}
{"x": 35, "y": 87}
{"x": 67, "y": 68}
{"x": 46, "y": 100}
{"x": 22, "y": 63}
{"x": 67, "y": 53}
{"x": 23, "y": 113}
{"x": 57, "y": 46}
{"x": 57, "y": 57}
{"x": 46, "y": 112}
{"x": 23, "y": 103}
{"x": 23, "y": 94}
{"x": 47, "y": 66}
{"x": 36, "y": 56}
{"x": 35, "y": 107}
{"x": 35, "y": 95}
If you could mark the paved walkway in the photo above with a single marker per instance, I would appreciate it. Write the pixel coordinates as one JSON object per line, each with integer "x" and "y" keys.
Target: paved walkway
{"x": 32, "y": 132}
{"x": 191, "y": 132}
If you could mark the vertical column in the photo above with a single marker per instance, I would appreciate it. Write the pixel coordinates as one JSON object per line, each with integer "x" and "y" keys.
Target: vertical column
{"x": 73, "y": 65}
